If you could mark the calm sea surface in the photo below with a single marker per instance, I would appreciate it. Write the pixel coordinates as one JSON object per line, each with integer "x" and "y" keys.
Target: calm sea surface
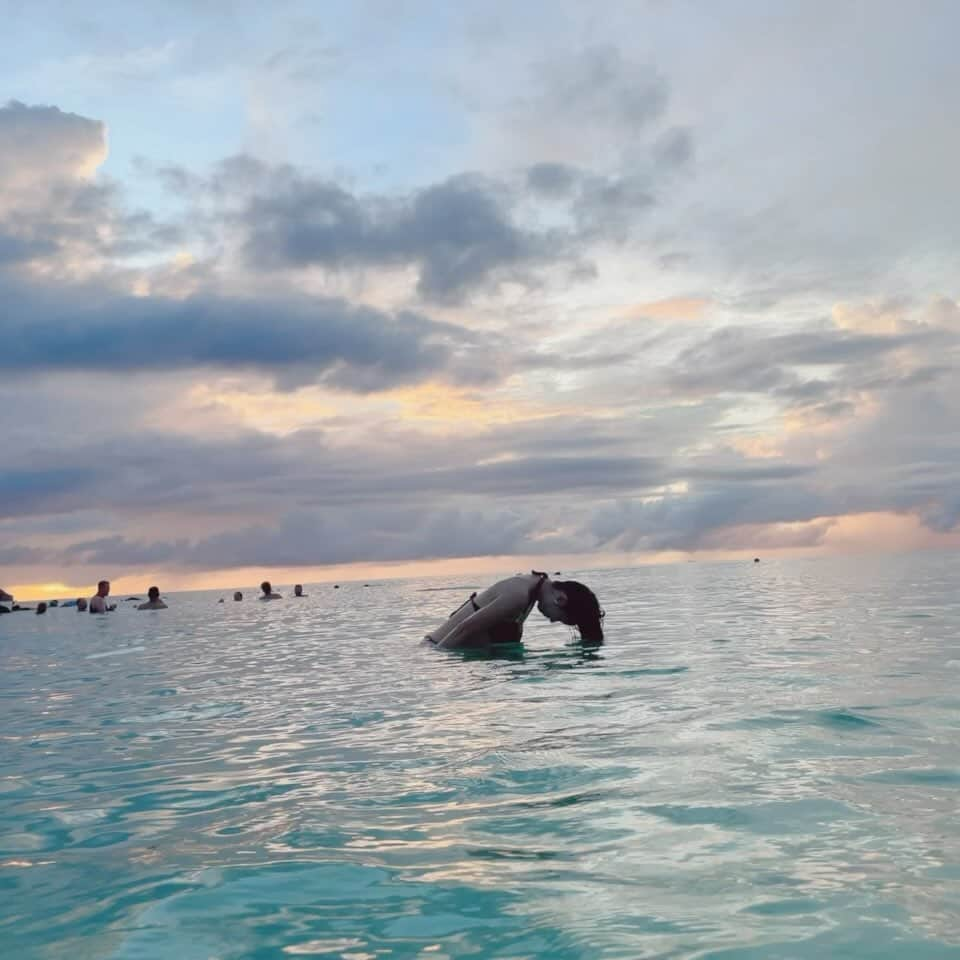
{"x": 763, "y": 761}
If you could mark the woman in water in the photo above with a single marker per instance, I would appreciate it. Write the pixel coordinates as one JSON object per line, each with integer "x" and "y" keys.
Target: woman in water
{"x": 496, "y": 616}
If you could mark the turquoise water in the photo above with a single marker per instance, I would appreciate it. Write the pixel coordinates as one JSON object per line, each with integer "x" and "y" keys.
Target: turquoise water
{"x": 763, "y": 761}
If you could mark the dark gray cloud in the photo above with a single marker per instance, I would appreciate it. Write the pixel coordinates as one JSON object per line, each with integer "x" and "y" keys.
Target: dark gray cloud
{"x": 254, "y": 471}
{"x": 326, "y": 537}
{"x": 16, "y": 249}
{"x": 21, "y": 555}
{"x": 302, "y": 339}
{"x": 461, "y": 233}
{"x": 42, "y": 489}
{"x": 602, "y": 207}
{"x": 685, "y": 521}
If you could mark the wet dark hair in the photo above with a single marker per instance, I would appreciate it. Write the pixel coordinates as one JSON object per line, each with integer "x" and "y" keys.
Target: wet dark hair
{"x": 154, "y": 593}
{"x": 266, "y": 587}
{"x": 582, "y": 610}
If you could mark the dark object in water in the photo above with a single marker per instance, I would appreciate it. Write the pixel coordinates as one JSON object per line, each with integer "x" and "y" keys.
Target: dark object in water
{"x": 336, "y": 586}
{"x": 134, "y": 599}
{"x": 220, "y": 600}
{"x": 4, "y": 609}
{"x": 557, "y": 573}
{"x": 756, "y": 559}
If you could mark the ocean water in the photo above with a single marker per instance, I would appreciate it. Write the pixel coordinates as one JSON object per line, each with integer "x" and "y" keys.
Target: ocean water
{"x": 762, "y": 761}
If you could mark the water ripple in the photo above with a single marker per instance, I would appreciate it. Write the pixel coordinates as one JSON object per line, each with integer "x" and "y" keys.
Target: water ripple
{"x": 758, "y": 763}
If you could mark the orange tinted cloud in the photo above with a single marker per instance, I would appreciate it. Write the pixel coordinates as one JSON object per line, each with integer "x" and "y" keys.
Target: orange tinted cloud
{"x": 672, "y": 308}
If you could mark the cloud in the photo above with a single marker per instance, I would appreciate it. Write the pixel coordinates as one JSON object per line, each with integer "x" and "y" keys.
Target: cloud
{"x": 748, "y": 360}
{"x": 460, "y": 234}
{"x": 297, "y": 339}
{"x": 52, "y": 209}
{"x": 464, "y": 234}
{"x": 23, "y": 491}
{"x": 669, "y": 184}
{"x": 252, "y": 471}
{"x": 685, "y": 521}
{"x": 42, "y": 146}
{"x": 593, "y": 106}
{"x": 311, "y": 538}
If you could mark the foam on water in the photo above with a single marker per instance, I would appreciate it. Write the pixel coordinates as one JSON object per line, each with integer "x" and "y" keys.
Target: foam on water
{"x": 762, "y": 761}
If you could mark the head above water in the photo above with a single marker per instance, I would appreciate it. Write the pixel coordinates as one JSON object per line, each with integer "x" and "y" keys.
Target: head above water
{"x": 265, "y": 587}
{"x": 81, "y": 603}
{"x": 154, "y": 593}
{"x": 103, "y": 588}
{"x": 41, "y": 607}
{"x": 238, "y": 596}
{"x": 298, "y": 590}
{"x": 574, "y": 604}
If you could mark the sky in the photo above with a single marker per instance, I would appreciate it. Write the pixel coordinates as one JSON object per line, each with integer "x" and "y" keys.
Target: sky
{"x": 318, "y": 291}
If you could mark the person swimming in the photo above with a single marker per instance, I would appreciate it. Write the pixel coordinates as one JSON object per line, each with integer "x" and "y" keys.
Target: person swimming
{"x": 298, "y": 590}
{"x": 98, "y": 602}
{"x": 496, "y": 616}
{"x": 153, "y": 602}
{"x": 268, "y": 593}
{"x": 238, "y": 596}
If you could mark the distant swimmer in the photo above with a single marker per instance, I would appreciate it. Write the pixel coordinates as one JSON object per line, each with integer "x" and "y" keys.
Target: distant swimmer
{"x": 298, "y": 590}
{"x": 238, "y": 596}
{"x": 154, "y": 602}
{"x": 81, "y": 604}
{"x": 98, "y": 602}
{"x": 496, "y": 616}
{"x": 268, "y": 593}
{"x": 41, "y": 607}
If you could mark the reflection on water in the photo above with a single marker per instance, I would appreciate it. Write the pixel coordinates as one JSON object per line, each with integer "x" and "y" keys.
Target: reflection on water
{"x": 761, "y": 761}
